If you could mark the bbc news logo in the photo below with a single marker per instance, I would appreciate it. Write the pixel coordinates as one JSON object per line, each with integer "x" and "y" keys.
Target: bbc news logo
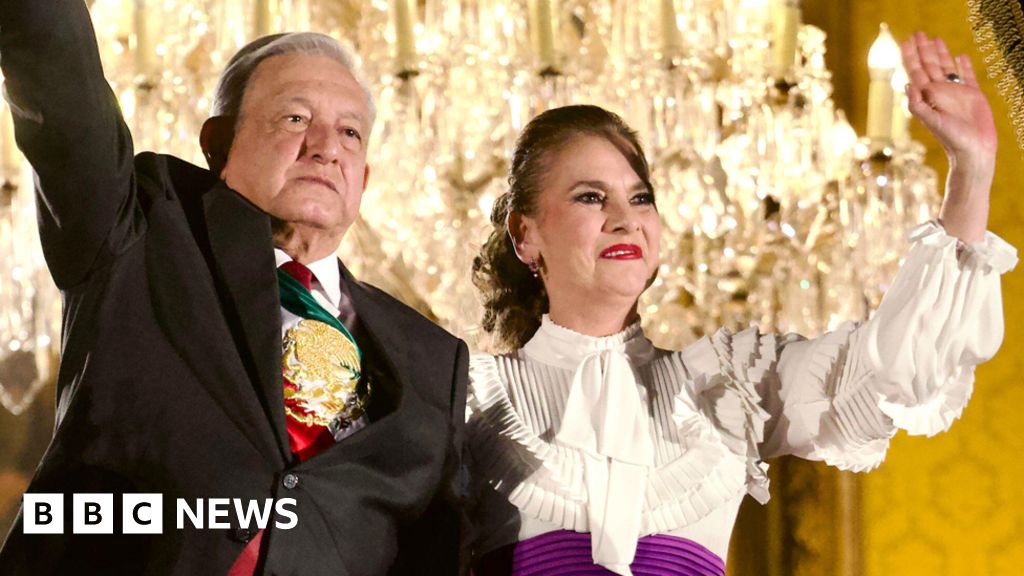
{"x": 143, "y": 513}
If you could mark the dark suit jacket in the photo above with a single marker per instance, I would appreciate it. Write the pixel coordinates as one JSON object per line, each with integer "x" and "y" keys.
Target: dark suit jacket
{"x": 170, "y": 380}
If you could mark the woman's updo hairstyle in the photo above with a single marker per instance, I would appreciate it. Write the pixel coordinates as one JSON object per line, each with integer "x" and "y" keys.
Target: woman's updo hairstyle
{"x": 514, "y": 300}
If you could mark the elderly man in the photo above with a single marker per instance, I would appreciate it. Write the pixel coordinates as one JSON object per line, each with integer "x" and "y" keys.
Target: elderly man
{"x": 214, "y": 346}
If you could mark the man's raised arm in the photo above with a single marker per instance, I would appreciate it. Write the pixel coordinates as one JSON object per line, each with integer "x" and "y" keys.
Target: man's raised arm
{"x": 68, "y": 124}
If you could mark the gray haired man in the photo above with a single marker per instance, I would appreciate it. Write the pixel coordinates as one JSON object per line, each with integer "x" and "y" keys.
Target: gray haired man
{"x": 217, "y": 356}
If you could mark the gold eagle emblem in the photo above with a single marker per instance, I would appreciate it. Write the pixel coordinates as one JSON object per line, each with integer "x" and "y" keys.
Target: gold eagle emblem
{"x": 324, "y": 367}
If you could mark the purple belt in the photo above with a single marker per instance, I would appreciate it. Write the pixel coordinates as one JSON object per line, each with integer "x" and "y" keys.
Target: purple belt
{"x": 564, "y": 552}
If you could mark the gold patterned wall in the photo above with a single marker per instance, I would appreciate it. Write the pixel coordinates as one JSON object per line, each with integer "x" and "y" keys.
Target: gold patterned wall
{"x": 949, "y": 505}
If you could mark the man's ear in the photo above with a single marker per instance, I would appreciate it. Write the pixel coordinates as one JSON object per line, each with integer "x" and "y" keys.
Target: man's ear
{"x": 520, "y": 230}
{"x": 215, "y": 138}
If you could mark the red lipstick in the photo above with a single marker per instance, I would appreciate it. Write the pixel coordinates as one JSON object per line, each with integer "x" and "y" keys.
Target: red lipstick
{"x": 622, "y": 252}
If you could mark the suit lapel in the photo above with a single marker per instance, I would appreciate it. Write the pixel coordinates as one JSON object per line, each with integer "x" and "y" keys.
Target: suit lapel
{"x": 385, "y": 342}
{"x": 243, "y": 256}
{"x": 382, "y": 327}
{"x": 196, "y": 323}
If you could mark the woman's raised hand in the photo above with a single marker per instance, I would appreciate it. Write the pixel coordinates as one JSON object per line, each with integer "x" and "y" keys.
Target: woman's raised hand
{"x": 944, "y": 95}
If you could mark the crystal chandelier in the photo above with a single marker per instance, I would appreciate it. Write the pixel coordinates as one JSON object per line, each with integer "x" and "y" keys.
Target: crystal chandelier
{"x": 29, "y": 303}
{"x": 774, "y": 212}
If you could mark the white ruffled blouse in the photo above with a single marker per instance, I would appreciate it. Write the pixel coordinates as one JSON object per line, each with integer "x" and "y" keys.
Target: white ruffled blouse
{"x": 618, "y": 438}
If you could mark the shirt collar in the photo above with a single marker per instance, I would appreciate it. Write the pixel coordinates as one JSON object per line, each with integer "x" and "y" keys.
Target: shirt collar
{"x": 326, "y": 271}
{"x": 559, "y": 346}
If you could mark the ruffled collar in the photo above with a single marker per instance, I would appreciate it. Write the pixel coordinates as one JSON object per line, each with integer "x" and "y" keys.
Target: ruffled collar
{"x": 559, "y": 346}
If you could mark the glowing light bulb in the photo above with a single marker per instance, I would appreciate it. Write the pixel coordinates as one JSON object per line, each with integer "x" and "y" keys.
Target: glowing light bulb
{"x": 885, "y": 52}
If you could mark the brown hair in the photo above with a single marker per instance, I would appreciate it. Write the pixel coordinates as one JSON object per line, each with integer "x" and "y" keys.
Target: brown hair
{"x": 514, "y": 300}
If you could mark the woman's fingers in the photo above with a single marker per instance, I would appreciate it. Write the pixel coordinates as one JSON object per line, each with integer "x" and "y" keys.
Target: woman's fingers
{"x": 921, "y": 109}
{"x": 912, "y": 63}
{"x": 957, "y": 114}
{"x": 929, "y": 55}
{"x": 945, "y": 60}
{"x": 927, "y": 60}
{"x": 966, "y": 70}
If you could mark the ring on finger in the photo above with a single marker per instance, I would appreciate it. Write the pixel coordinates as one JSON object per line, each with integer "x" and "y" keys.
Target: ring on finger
{"x": 954, "y": 78}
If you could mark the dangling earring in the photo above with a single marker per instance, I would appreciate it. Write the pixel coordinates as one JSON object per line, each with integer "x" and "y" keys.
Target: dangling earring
{"x": 534, "y": 268}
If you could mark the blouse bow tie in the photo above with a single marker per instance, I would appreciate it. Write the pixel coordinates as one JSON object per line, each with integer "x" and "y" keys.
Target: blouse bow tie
{"x": 606, "y": 419}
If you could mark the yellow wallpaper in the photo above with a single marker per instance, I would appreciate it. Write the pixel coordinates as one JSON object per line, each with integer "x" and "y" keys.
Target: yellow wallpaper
{"x": 951, "y": 505}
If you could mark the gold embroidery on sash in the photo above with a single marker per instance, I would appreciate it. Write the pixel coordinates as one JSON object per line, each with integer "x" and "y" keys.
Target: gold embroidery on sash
{"x": 324, "y": 367}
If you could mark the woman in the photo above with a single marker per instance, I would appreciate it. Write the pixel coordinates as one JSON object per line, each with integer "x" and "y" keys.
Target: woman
{"x": 594, "y": 452}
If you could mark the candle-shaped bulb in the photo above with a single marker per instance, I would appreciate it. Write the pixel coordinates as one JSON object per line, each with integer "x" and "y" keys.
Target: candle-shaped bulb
{"x": 844, "y": 138}
{"x": 786, "y": 26}
{"x": 263, "y": 18}
{"x": 403, "y": 19}
{"x": 899, "y": 79}
{"x": 884, "y": 55}
{"x": 900, "y": 109}
{"x": 883, "y": 59}
{"x": 145, "y": 51}
{"x": 754, "y": 16}
{"x": 843, "y": 135}
{"x": 670, "y": 40}
{"x": 544, "y": 26}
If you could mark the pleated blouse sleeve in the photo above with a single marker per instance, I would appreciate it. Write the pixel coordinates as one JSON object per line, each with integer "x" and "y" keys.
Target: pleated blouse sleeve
{"x": 840, "y": 397}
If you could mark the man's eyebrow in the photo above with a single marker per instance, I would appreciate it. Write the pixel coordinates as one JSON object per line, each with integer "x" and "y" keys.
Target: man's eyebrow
{"x": 283, "y": 98}
{"x": 353, "y": 115}
{"x": 305, "y": 101}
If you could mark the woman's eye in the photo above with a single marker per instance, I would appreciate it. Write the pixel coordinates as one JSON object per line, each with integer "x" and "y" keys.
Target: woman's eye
{"x": 352, "y": 133}
{"x": 590, "y": 198}
{"x": 643, "y": 198}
